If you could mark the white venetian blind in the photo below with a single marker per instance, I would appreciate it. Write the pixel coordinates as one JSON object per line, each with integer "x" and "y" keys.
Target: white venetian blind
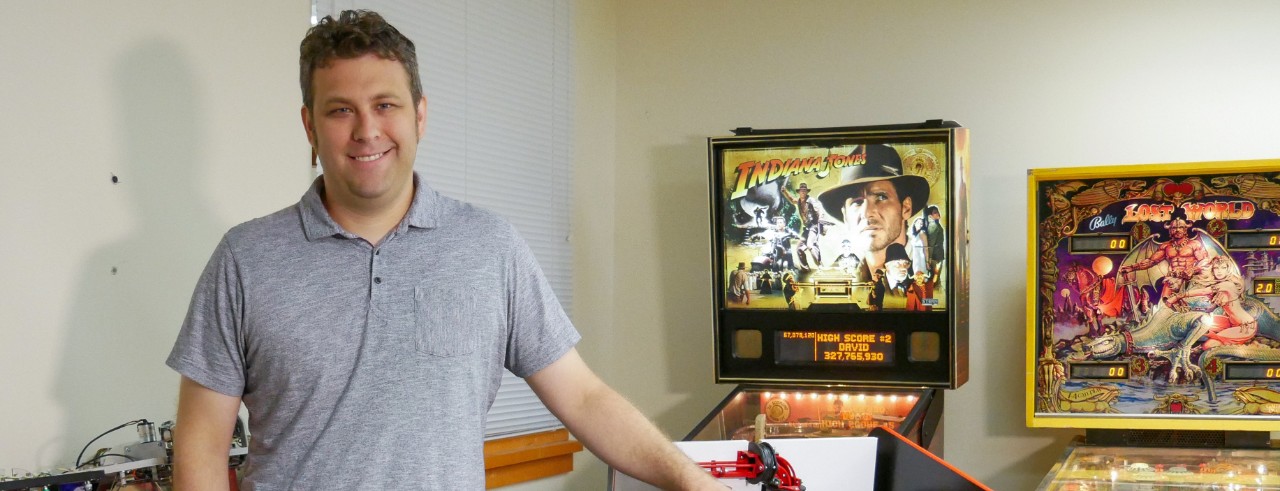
{"x": 496, "y": 77}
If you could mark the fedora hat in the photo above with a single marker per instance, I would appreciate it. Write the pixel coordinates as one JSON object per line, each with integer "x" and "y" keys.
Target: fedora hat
{"x": 895, "y": 252}
{"x": 880, "y": 163}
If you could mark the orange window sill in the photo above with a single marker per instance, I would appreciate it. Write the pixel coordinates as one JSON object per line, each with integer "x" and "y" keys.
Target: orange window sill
{"x": 524, "y": 458}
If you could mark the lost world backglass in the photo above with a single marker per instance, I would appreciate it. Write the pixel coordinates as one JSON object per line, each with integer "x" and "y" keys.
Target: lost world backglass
{"x": 1153, "y": 293}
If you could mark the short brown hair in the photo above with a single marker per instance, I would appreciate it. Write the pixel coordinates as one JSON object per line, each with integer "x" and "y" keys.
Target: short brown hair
{"x": 353, "y": 34}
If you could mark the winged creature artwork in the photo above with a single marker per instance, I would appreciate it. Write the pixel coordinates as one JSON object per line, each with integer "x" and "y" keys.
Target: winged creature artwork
{"x": 1179, "y": 268}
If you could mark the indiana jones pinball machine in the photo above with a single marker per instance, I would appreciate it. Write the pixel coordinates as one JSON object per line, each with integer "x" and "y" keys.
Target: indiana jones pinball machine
{"x": 1151, "y": 321}
{"x": 840, "y": 272}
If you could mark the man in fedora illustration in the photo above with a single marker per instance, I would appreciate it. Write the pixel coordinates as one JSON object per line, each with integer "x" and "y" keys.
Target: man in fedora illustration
{"x": 739, "y": 288}
{"x": 874, "y": 200}
{"x": 812, "y": 226}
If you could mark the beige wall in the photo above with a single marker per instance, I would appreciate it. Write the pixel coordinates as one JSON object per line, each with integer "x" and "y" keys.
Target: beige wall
{"x": 1041, "y": 84}
{"x": 193, "y": 107}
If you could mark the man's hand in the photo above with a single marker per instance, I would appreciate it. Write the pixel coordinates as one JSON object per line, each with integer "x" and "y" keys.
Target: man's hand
{"x": 613, "y": 429}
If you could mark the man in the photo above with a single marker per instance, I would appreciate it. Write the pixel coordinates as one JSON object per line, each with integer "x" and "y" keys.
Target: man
{"x": 933, "y": 232}
{"x": 1186, "y": 256}
{"x": 847, "y": 261}
{"x": 779, "y": 238}
{"x": 789, "y": 290}
{"x": 811, "y": 224}
{"x": 897, "y": 269}
{"x": 738, "y": 285}
{"x": 923, "y": 291}
{"x": 875, "y": 298}
{"x": 364, "y": 330}
{"x": 766, "y": 282}
{"x": 874, "y": 200}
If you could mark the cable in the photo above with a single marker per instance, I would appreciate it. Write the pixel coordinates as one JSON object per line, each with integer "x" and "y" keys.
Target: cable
{"x": 97, "y": 459}
{"x": 86, "y": 446}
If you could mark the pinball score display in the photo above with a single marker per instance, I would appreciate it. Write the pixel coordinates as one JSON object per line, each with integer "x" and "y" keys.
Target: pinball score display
{"x": 812, "y": 347}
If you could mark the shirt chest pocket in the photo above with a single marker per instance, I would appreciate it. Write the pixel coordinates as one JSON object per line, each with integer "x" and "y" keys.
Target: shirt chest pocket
{"x": 454, "y": 320}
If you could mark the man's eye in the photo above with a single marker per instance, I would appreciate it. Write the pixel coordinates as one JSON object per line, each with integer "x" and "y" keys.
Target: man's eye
{"x": 386, "y": 105}
{"x": 340, "y": 110}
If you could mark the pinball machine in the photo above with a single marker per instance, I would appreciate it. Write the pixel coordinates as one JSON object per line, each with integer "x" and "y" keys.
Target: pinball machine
{"x": 1152, "y": 323}
{"x": 840, "y": 272}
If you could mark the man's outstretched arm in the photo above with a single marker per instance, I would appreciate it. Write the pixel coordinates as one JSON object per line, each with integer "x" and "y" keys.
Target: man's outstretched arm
{"x": 202, "y": 437}
{"x": 613, "y": 429}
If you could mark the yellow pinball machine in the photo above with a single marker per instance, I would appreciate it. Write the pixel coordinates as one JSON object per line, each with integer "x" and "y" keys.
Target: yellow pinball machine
{"x": 840, "y": 277}
{"x": 1152, "y": 323}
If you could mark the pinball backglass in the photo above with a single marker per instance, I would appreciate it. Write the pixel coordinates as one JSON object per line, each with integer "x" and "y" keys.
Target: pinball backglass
{"x": 1153, "y": 296}
{"x": 840, "y": 255}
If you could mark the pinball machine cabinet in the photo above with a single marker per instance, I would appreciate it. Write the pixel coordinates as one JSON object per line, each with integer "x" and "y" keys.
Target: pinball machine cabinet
{"x": 840, "y": 279}
{"x": 808, "y": 412}
{"x": 1151, "y": 322}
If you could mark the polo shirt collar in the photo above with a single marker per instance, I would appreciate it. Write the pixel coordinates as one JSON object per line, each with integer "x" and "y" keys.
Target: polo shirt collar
{"x": 424, "y": 211}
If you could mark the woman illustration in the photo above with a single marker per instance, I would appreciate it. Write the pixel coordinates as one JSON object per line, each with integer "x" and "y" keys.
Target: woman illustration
{"x": 918, "y": 240}
{"x": 1223, "y": 289}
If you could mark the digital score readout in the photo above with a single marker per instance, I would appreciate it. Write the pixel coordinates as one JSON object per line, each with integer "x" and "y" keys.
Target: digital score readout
{"x": 834, "y": 348}
{"x": 1264, "y": 286}
{"x": 1251, "y": 371}
{"x": 1254, "y": 239}
{"x": 1100, "y": 370}
{"x": 1100, "y": 243}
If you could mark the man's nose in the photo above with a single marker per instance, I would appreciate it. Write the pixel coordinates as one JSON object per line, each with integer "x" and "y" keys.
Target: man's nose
{"x": 367, "y": 128}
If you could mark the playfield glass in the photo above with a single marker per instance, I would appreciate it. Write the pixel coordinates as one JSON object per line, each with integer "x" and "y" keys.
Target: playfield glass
{"x": 1152, "y": 296}
{"x": 1182, "y": 469}
{"x": 799, "y": 412}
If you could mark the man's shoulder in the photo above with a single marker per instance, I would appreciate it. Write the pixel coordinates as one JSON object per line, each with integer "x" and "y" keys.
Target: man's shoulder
{"x": 281, "y": 224}
{"x": 462, "y": 217}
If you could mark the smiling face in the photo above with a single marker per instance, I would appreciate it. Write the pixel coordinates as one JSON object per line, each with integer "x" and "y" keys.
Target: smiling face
{"x": 875, "y": 218}
{"x": 365, "y": 128}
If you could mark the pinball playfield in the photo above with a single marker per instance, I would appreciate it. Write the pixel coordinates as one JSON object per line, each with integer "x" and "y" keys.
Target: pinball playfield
{"x": 1106, "y": 468}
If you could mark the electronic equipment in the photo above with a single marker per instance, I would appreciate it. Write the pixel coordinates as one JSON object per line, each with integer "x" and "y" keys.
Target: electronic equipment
{"x": 841, "y": 283}
{"x": 147, "y": 461}
{"x": 840, "y": 279}
{"x": 815, "y": 282}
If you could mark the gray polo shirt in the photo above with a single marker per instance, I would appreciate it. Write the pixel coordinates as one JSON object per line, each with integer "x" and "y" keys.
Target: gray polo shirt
{"x": 369, "y": 367}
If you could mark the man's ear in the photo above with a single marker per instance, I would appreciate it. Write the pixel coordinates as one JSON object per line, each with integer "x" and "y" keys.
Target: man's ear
{"x": 309, "y": 126}
{"x": 908, "y": 208}
{"x": 421, "y": 109}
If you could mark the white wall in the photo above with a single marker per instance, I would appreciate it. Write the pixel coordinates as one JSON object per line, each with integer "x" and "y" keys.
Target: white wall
{"x": 193, "y": 106}
{"x": 1041, "y": 84}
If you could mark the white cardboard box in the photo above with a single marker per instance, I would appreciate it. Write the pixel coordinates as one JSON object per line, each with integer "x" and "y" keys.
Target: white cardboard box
{"x": 823, "y": 464}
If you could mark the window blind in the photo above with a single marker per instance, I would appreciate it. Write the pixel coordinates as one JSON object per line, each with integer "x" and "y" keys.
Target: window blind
{"x": 496, "y": 76}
